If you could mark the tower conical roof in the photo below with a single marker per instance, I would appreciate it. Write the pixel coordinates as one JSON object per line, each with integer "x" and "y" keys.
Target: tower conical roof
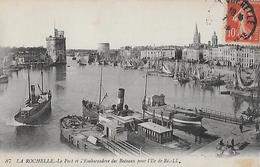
{"x": 196, "y": 30}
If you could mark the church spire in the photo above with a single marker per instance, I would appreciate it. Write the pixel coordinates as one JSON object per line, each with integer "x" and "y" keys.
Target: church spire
{"x": 54, "y": 27}
{"x": 196, "y": 37}
{"x": 196, "y": 30}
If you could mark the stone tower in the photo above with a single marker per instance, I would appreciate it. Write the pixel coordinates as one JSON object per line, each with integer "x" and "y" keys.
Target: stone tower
{"x": 214, "y": 40}
{"x": 56, "y": 47}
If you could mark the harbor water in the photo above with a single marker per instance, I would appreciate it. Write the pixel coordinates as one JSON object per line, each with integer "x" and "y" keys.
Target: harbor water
{"x": 70, "y": 84}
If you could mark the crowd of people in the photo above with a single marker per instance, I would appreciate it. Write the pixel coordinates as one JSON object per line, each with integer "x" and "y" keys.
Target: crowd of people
{"x": 226, "y": 149}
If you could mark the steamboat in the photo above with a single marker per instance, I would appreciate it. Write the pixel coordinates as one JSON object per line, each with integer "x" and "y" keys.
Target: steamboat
{"x": 35, "y": 105}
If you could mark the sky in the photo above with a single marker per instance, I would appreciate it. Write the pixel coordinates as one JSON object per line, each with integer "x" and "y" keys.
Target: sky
{"x": 119, "y": 22}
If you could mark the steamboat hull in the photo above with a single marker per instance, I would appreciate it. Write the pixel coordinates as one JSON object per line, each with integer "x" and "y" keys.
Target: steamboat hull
{"x": 35, "y": 113}
{"x": 182, "y": 116}
{"x": 187, "y": 119}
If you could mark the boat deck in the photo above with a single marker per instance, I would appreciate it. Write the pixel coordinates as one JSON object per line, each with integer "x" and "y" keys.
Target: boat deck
{"x": 77, "y": 132}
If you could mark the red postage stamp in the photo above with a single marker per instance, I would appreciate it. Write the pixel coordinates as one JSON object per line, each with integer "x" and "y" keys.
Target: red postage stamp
{"x": 243, "y": 21}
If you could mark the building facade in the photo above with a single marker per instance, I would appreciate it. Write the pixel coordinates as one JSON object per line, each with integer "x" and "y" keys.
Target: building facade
{"x": 126, "y": 52}
{"x": 56, "y": 47}
{"x": 191, "y": 54}
{"x": 231, "y": 55}
{"x": 155, "y": 132}
{"x": 103, "y": 50}
{"x": 158, "y": 53}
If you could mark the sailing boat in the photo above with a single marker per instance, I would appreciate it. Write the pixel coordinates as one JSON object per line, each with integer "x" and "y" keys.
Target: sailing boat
{"x": 3, "y": 76}
{"x": 165, "y": 71}
{"x": 160, "y": 70}
{"x": 247, "y": 90}
{"x": 90, "y": 109}
{"x": 35, "y": 105}
{"x": 128, "y": 65}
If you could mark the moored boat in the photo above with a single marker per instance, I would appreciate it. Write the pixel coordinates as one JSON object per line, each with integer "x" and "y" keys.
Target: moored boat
{"x": 77, "y": 132}
{"x": 3, "y": 78}
{"x": 183, "y": 80}
{"x": 159, "y": 73}
{"x": 167, "y": 113}
{"x": 91, "y": 109}
{"x": 156, "y": 107}
{"x": 82, "y": 61}
{"x": 109, "y": 134}
{"x": 213, "y": 81}
{"x": 227, "y": 92}
{"x": 187, "y": 118}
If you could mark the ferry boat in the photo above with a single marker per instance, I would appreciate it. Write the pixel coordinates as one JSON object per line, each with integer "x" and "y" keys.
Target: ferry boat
{"x": 35, "y": 105}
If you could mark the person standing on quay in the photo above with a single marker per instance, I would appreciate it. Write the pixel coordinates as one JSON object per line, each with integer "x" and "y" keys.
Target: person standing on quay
{"x": 232, "y": 143}
{"x": 241, "y": 128}
{"x": 257, "y": 126}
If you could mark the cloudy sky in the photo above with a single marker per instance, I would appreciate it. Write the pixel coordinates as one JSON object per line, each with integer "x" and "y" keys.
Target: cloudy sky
{"x": 119, "y": 22}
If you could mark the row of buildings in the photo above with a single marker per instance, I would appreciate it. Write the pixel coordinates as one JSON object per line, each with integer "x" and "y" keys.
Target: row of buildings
{"x": 228, "y": 55}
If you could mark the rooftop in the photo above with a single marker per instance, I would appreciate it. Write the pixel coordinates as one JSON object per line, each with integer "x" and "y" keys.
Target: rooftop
{"x": 154, "y": 127}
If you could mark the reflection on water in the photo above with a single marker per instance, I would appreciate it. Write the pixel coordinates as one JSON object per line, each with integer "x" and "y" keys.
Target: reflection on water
{"x": 25, "y": 131}
{"x": 31, "y": 137}
{"x": 3, "y": 88}
{"x": 70, "y": 84}
{"x": 60, "y": 73}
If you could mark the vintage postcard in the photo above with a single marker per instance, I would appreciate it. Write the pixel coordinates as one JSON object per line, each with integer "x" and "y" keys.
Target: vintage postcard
{"x": 129, "y": 83}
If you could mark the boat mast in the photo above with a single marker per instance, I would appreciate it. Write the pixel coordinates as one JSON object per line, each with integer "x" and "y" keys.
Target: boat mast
{"x": 42, "y": 77}
{"x": 100, "y": 85}
{"x": 29, "y": 83}
{"x": 145, "y": 88}
{"x": 145, "y": 91}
